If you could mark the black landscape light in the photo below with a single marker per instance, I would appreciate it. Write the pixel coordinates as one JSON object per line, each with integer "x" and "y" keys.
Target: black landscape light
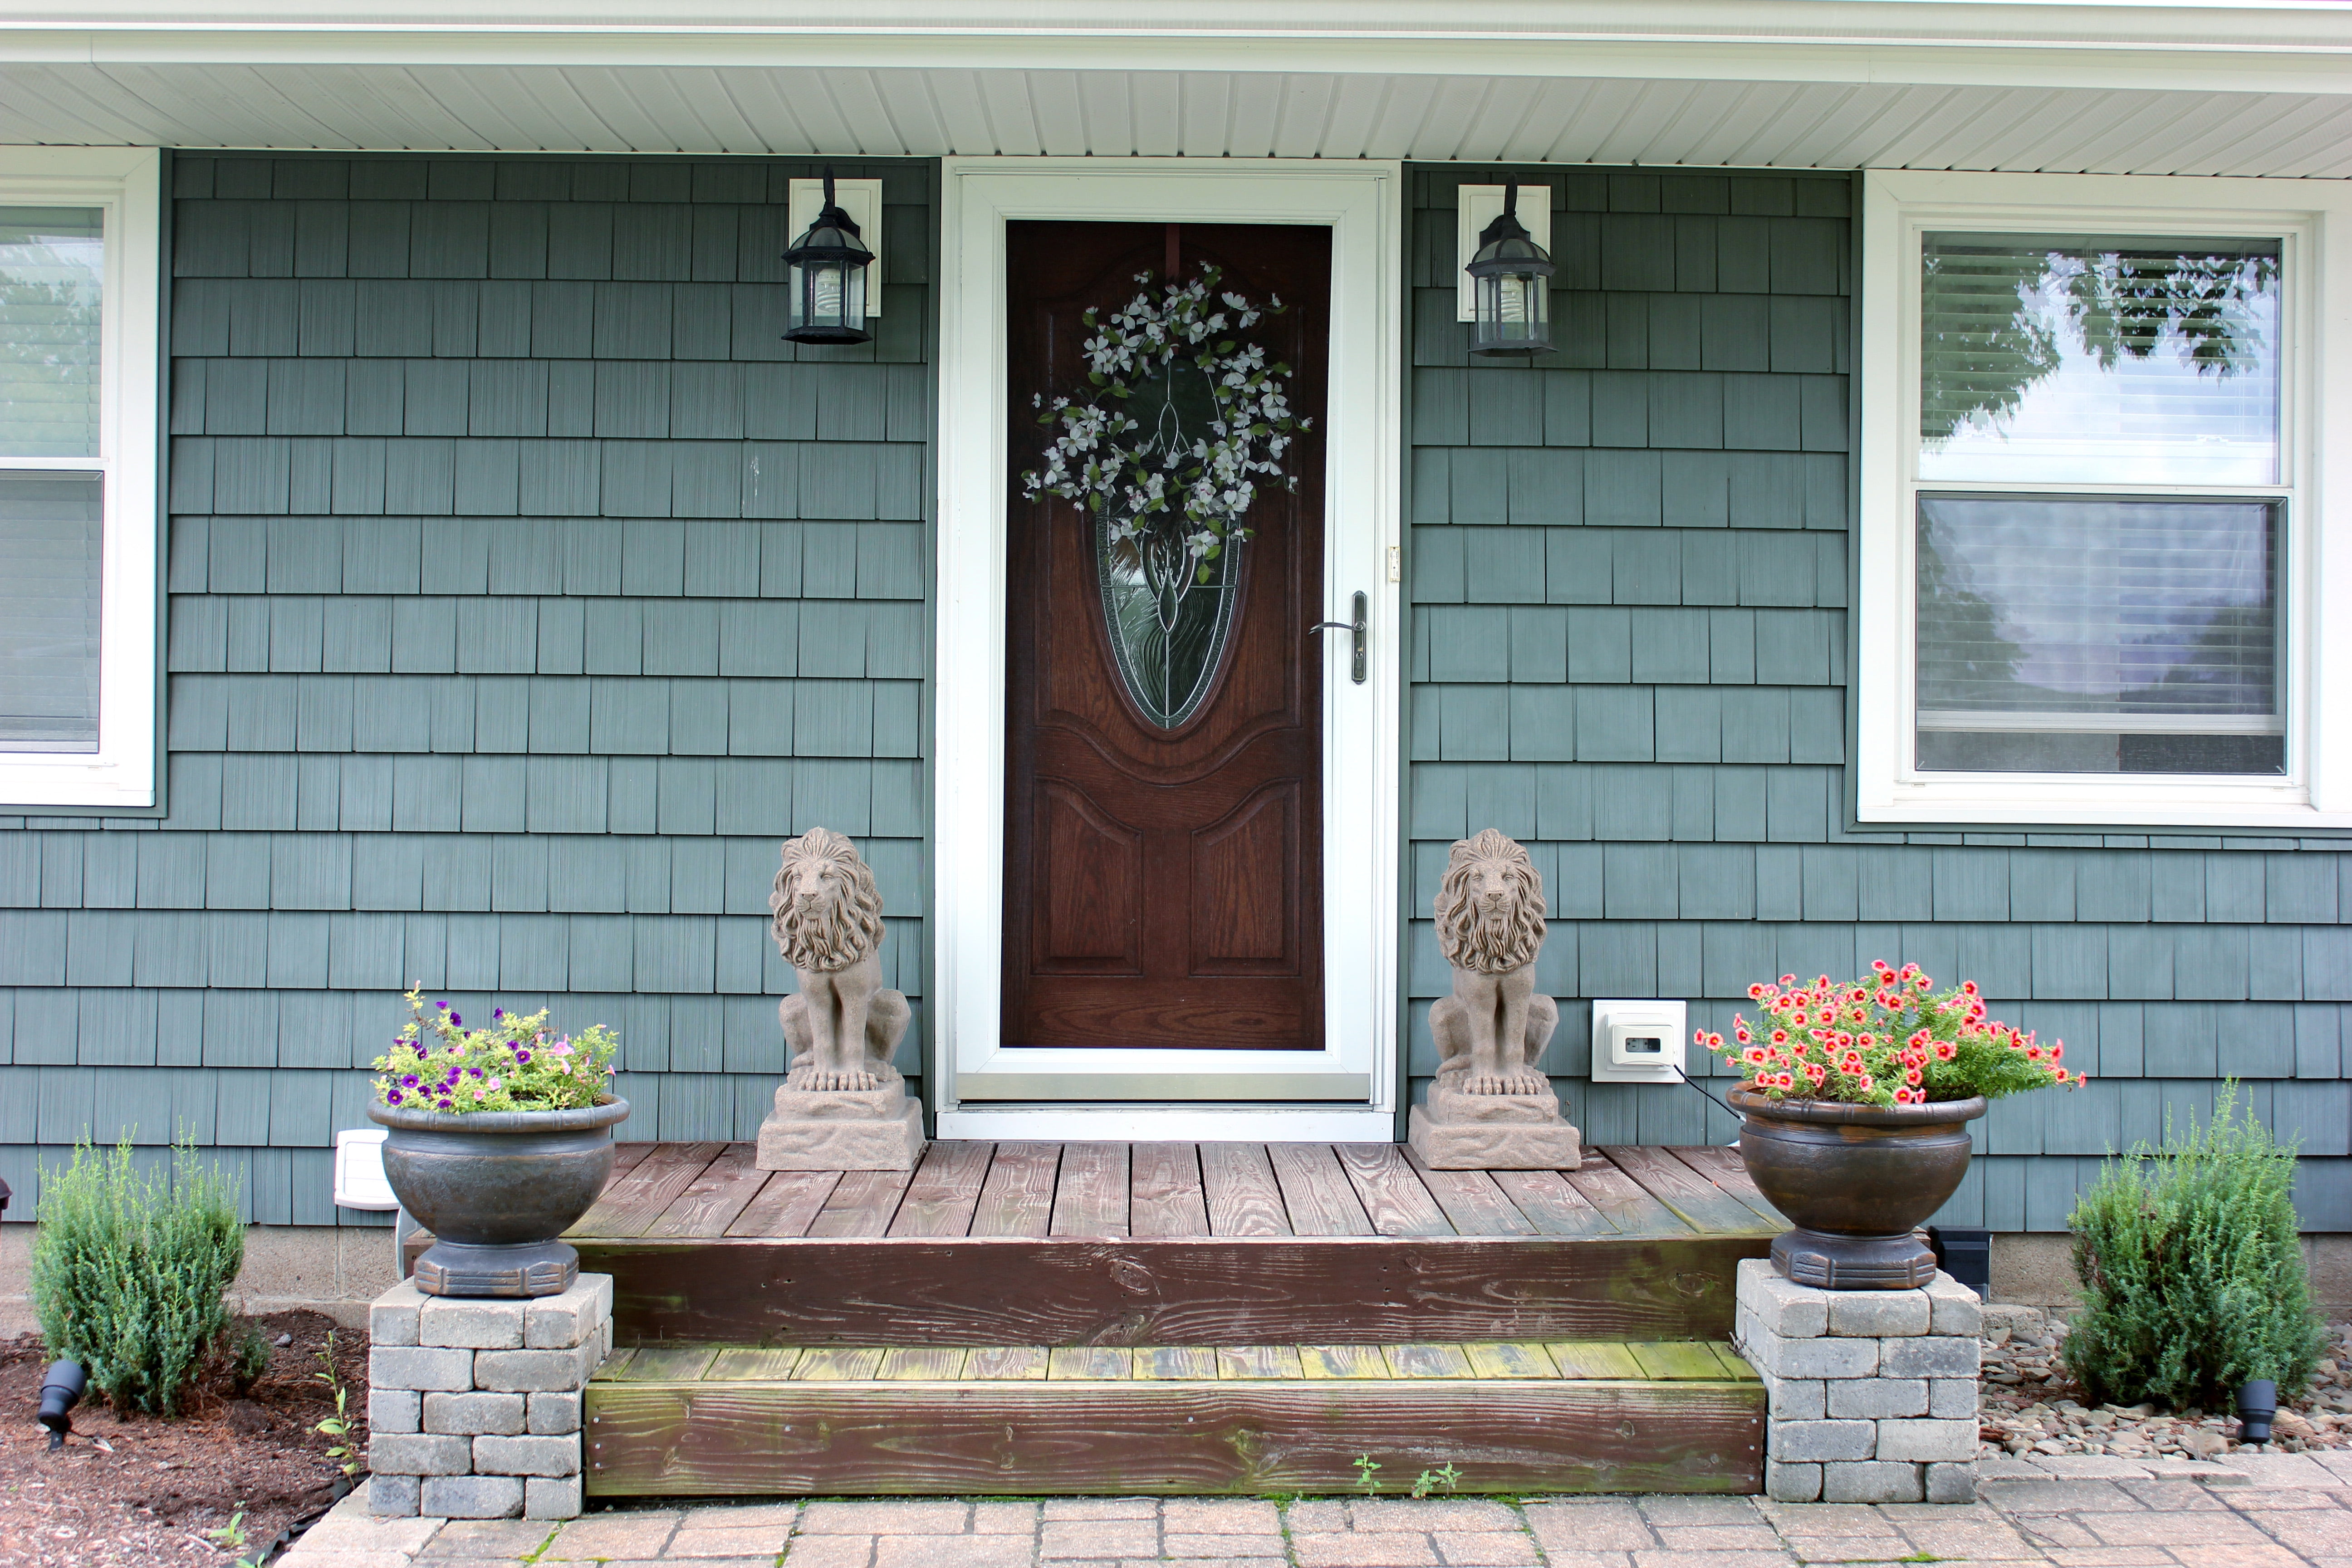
{"x": 2257, "y": 1402}
{"x": 828, "y": 278}
{"x": 61, "y": 1388}
{"x": 1510, "y": 287}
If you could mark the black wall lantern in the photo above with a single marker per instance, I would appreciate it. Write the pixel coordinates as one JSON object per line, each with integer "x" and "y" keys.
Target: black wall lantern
{"x": 1511, "y": 287}
{"x": 828, "y": 278}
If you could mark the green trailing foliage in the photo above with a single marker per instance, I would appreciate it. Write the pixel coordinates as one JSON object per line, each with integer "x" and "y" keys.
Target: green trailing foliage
{"x": 130, "y": 1267}
{"x": 2193, "y": 1276}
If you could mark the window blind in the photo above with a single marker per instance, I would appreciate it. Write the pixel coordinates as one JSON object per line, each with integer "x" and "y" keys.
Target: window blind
{"x": 2088, "y": 358}
{"x": 51, "y": 273}
{"x": 2119, "y": 622}
{"x": 49, "y": 542}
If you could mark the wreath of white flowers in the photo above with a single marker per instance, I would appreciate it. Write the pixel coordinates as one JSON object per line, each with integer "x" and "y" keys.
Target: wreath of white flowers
{"x": 1181, "y": 502}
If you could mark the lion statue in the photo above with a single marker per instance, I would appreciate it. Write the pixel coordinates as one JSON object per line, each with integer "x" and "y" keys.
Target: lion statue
{"x": 842, "y": 1025}
{"x": 1492, "y": 1031}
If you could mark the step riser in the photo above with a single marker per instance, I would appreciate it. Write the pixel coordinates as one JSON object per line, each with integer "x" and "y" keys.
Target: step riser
{"x": 1170, "y": 1438}
{"x": 1192, "y": 1291}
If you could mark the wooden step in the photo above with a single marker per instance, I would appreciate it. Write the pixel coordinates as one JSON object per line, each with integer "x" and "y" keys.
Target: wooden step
{"x": 1183, "y": 1419}
{"x": 1170, "y": 1244}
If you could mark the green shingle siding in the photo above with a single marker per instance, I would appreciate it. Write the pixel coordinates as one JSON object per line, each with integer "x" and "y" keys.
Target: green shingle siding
{"x": 1628, "y": 569}
{"x": 525, "y": 589}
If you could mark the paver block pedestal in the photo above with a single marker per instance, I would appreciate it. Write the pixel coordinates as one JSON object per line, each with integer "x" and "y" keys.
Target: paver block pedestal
{"x": 1870, "y": 1395}
{"x": 474, "y": 1405}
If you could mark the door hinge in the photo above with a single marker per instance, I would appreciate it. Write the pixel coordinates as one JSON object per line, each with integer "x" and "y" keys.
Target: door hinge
{"x": 1396, "y": 563}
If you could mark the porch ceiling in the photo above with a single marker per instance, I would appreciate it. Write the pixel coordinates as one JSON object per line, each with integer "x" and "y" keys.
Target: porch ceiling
{"x": 2213, "y": 89}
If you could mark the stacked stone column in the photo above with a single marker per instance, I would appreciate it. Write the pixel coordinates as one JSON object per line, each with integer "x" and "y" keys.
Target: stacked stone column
{"x": 474, "y": 1405}
{"x": 1870, "y": 1395}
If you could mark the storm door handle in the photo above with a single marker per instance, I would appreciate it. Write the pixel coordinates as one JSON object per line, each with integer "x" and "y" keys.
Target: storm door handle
{"x": 1359, "y": 626}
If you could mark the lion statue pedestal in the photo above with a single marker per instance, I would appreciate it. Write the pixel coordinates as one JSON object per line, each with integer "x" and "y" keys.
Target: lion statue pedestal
{"x": 842, "y": 1106}
{"x": 1491, "y": 1108}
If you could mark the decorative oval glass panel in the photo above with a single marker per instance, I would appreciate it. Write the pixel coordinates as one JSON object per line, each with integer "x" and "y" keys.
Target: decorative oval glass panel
{"x": 1168, "y": 606}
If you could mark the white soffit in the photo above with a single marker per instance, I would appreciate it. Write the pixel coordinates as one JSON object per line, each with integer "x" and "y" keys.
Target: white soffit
{"x": 2140, "y": 88}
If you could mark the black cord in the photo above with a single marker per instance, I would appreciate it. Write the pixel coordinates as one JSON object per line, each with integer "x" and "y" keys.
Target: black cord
{"x": 1685, "y": 1078}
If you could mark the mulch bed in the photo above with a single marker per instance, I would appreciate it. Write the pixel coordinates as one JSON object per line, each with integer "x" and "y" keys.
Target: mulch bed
{"x": 133, "y": 1491}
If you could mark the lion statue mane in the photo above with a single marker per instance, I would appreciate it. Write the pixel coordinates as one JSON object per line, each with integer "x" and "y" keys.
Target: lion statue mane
{"x": 1479, "y": 936}
{"x": 828, "y": 936}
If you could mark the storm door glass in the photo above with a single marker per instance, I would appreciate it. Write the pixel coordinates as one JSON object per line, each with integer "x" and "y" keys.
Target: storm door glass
{"x": 52, "y": 509}
{"x": 1168, "y": 606}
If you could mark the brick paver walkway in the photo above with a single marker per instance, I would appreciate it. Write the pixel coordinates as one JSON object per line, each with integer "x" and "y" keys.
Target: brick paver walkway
{"x": 2276, "y": 1512}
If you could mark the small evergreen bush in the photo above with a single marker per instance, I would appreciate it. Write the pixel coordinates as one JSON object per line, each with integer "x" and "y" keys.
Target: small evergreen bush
{"x": 129, "y": 1268}
{"x": 2193, "y": 1280}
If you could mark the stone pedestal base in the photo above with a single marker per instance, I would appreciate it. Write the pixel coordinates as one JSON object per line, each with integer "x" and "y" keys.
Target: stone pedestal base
{"x": 1870, "y": 1395}
{"x": 1458, "y": 1131}
{"x": 842, "y": 1129}
{"x": 474, "y": 1405}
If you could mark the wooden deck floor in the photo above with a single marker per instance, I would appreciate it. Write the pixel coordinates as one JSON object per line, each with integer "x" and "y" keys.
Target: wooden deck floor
{"x": 1170, "y": 1191}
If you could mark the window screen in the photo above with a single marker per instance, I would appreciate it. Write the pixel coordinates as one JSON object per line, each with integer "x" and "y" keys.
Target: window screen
{"x": 49, "y": 537}
{"x": 2063, "y": 625}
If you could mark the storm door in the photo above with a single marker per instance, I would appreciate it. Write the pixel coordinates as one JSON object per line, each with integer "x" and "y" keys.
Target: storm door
{"x": 1164, "y": 830}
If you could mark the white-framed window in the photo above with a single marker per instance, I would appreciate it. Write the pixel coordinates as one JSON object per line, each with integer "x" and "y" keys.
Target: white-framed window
{"x": 2096, "y": 553}
{"x": 79, "y": 286}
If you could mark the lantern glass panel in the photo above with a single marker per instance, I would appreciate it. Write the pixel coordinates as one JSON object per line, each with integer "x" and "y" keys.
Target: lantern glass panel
{"x": 828, "y": 294}
{"x": 1514, "y": 310}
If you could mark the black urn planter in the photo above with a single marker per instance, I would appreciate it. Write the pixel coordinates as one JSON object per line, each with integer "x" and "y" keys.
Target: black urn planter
{"x": 1856, "y": 1181}
{"x": 497, "y": 1188}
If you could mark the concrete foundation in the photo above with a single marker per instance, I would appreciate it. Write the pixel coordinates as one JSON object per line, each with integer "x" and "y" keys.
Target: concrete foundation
{"x": 334, "y": 1269}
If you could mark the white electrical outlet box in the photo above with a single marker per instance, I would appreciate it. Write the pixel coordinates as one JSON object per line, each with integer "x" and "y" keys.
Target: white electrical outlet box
{"x": 1638, "y": 1041}
{"x": 862, "y": 200}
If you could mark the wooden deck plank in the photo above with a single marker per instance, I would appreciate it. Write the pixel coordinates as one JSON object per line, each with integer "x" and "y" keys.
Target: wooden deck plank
{"x": 1551, "y": 1205}
{"x": 1124, "y": 1438}
{"x": 1472, "y": 1200}
{"x": 787, "y": 1204}
{"x": 1727, "y": 1170}
{"x": 1391, "y": 1191}
{"x": 1427, "y": 1361}
{"x": 1018, "y": 1197}
{"x": 1009, "y": 1363}
{"x": 752, "y": 1363}
{"x": 1688, "y": 1360}
{"x": 626, "y": 1157}
{"x": 1193, "y": 1290}
{"x": 1342, "y": 1360}
{"x": 1517, "y": 1358}
{"x": 945, "y": 1189}
{"x": 1621, "y": 1200}
{"x": 1236, "y": 1362}
{"x": 1595, "y": 1360}
{"x": 633, "y": 1202}
{"x": 1164, "y": 1184}
{"x": 1242, "y": 1197}
{"x": 912, "y": 1363}
{"x": 709, "y": 1205}
{"x": 838, "y": 1364}
{"x": 615, "y": 1365}
{"x": 1092, "y": 1363}
{"x": 1703, "y": 1205}
{"x": 1734, "y": 1366}
{"x": 1165, "y": 1363}
{"x": 1316, "y": 1192}
{"x": 1091, "y": 1197}
{"x": 668, "y": 1363}
{"x": 862, "y": 1204}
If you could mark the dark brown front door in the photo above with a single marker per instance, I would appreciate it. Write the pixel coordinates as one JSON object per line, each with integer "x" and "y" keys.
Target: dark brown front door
{"x": 1163, "y": 834}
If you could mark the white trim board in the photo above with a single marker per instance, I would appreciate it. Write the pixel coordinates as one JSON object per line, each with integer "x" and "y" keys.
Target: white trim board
{"x": 2314, "y": 220}
{"x": 1362, "y": 205}
{"x": 126, "y": 184}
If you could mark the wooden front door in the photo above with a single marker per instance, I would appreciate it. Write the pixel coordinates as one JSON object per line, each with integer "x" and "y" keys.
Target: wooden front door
{"x": 1163, "y": 834}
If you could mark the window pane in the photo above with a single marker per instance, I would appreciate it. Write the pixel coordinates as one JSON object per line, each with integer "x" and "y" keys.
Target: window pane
{"x": 2097, "y": 635}
{"x": 49, "y": 276}
{"x": 49, "y": 532}
{"x": 2080, "y": 359}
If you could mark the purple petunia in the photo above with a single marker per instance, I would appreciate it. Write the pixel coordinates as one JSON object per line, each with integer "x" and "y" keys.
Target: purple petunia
{"x": 521, "y": 1055}
{"x": 408, "y": 1080}
{"x": 455, "y": 1020}
{"x": 447, "y": 1105}
{"x": 476, "y": 1072}
{"x": 498, "y": 1013}
{"x": 443, "y": 1005}
{"x": 392, "y": 1097}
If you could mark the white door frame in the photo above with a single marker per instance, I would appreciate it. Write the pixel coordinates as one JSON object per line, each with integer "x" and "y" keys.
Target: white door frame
{"x": 1347, "y": 1089}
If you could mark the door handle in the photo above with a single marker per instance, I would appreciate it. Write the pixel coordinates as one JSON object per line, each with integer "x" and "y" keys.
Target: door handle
{"x": 1359, "y": 626}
